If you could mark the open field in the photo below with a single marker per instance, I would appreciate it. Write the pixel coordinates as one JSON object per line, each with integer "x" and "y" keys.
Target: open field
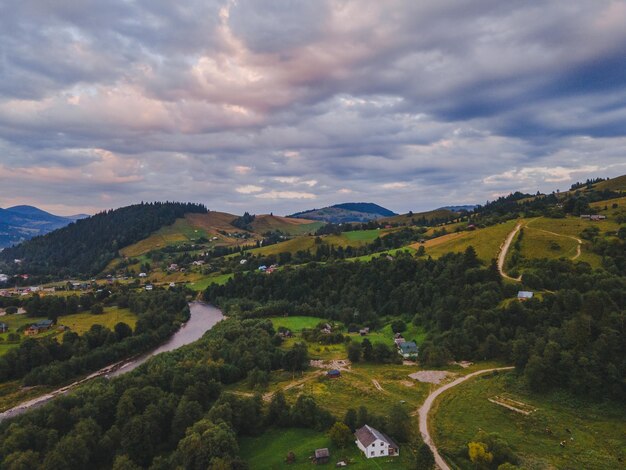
{"x": 392, "y": 252}
{"x": 296, "y": 324}
{"x": 81, "y": 322}
{"x": 268, "y": 451}
{"x": 204, "y": 282}
{"x": 268, "y": 223}
{"x": 181, "y": 231}
{"x": 614, "y": 184}
{"x": 486, "y": 241}
{"x": 363, "y": 235}
{"x": 598, "y": 430}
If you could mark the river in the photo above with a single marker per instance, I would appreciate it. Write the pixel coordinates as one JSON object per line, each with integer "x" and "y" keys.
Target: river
{"x": 203, "y": 317}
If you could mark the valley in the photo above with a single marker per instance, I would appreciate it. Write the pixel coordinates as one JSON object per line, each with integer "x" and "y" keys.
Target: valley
{"x": 351, "y": 323}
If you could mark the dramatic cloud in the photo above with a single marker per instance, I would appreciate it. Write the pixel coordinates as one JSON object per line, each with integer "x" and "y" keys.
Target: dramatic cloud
{"x": 279, "y": 105}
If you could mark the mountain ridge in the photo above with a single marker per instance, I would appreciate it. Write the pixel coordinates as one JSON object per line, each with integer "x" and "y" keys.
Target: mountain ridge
{"x": 346, "y": 212}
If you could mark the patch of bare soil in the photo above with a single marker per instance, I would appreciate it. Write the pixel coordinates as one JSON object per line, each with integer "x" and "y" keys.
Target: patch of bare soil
{"x": 430, "y": 376}
{"x": 463, "y": 364}
{"x": 339, "y": 364}
{"x": 377, "y": 385}
{"x": 407, "y": 383}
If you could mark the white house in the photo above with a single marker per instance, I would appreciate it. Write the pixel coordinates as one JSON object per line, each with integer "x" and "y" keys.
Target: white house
{"x": 524, "y": 295}
{"x": 143, "y": 275}
{"x": 374, "y": 443}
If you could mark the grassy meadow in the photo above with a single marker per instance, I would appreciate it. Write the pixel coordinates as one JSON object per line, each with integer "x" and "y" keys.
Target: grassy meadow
{"x": 486, "y": 241}
{"x": 81, "y": 322}
{"x": 268, "y": 451}
{"x": 598, "y": 431}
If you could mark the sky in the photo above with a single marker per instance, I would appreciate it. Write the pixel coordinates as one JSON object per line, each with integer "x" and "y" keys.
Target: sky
{"x": 285, "y": 105}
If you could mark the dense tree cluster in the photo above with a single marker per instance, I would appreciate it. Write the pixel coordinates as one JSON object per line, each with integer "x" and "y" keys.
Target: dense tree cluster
{"x": 85, "y": 247}
{"x": 162, "y": 415}
{"x": 49, "y": 361}
{"x": 569, "y": 338}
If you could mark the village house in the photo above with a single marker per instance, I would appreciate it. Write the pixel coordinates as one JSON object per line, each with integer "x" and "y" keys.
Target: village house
{"x": 408, "y": 349}
{"x": 333, "y": 374}
{"x": 398, "y": 339}
{"x": 524, "y": 295}
{"x": 364, "y": 331}
{"x": 374, "y": 443}
{"x": 143, "y": 275}
{"x": 38, "y": 327}
{"x": 327, "y": 329}
{"x": 149, "y": 287}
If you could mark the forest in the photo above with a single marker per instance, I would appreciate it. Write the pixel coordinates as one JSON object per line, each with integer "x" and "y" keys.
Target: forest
{"x": 49, "y": 361}
{"x": 570, "y": 337}
{"x": 85, "y": 247}
{"x": 164, "y": 416}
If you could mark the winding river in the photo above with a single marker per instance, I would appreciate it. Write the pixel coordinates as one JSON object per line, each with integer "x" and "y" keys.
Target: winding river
{"x": 203, "y": 317}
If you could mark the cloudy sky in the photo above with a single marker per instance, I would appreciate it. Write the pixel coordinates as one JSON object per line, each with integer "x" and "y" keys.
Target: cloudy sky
{"x": 283, "y": 105}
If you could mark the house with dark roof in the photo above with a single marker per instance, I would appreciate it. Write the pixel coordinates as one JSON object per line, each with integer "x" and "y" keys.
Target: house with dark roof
{"x": 333, "y": 374}
{"x": 38, "y": 327}
{"x": 408, "y": 349}
{"x": 374, "y": 443}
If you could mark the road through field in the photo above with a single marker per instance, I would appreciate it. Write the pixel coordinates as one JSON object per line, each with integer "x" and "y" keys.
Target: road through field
{"x": 504, "y": 249}
{"x": 425, "y": 409}
{"x": 580, "y": 242}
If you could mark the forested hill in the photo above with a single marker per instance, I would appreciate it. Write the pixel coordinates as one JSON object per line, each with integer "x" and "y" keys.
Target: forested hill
{"x": 85, "y": 247}
{"x": 347, "y": 212}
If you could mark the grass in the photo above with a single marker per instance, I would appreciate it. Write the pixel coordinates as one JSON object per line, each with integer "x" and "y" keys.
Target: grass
{"x": 12, "y": 393}
{"x": 598, "y": 429}
{"x": 296, "y": 324}
{"x": 363, "y": 235}
{"x": 181, "y": 231}
{"x": 81, "y": 322}
{"x": 485, "y": 241}
{"x": 203, "y": 283}
{"x": 268, "y": 451}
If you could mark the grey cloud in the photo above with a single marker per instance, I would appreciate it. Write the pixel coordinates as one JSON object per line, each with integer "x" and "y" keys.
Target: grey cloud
{"x": 409, "y": 104}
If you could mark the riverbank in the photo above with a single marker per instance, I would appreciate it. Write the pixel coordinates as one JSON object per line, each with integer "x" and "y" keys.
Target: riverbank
{"x": 202, "y": 318}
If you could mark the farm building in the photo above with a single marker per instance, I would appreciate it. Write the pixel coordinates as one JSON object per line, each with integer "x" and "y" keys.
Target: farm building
{"x": 524, "y": 295}
{"x": 374, "y": 443}
{"x": 322, "y": 456}
{"x": 364, "y": 331}
{"x": 407, "y": 349}
{"x": 38, "y": 327}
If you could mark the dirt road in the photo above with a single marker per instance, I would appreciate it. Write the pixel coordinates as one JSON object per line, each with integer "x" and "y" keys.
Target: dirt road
{"x": 504, "y": 249}
{"x": 425, "y": 409}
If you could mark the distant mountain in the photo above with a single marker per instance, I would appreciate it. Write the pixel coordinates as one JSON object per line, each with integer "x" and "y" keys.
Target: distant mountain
{"x": 20, "y": 223}
{"x": 347, "y": 212}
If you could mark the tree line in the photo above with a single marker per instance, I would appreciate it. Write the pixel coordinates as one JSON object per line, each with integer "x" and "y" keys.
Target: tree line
{"x": 569, "y": 336}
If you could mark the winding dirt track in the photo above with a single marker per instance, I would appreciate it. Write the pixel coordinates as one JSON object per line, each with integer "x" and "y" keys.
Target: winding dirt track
{"x": 425, "y": 409}
{"x": 504, "y": 249}
{"x": 580, "y": 242}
